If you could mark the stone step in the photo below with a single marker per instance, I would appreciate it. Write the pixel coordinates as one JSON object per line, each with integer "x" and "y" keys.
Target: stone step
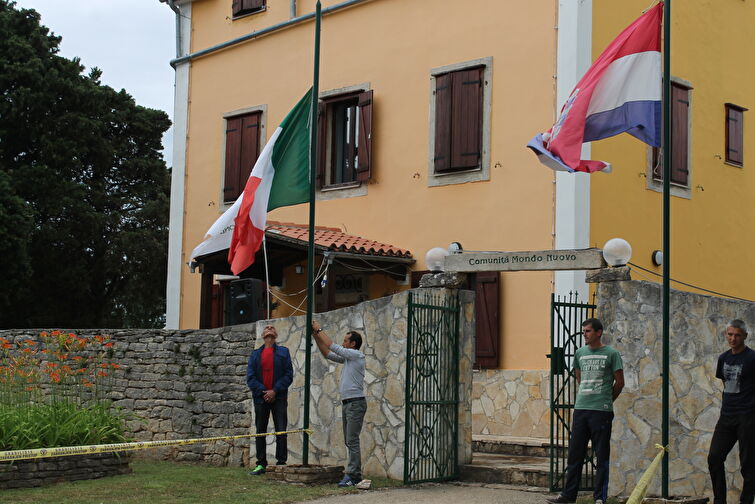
{"x": 510, "y": 445}
{"x": 507, "y": 469}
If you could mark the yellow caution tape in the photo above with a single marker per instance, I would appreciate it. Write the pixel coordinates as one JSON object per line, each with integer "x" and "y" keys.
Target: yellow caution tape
{"x": 67, "y": 451}
{"x": 642, "y": 486}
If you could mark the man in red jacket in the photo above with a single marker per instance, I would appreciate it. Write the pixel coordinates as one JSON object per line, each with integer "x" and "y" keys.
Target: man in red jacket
{"x": 269, "y": 373}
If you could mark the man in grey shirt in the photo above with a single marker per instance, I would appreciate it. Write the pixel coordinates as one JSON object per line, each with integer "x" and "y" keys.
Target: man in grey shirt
{"x": 352, "y": 394}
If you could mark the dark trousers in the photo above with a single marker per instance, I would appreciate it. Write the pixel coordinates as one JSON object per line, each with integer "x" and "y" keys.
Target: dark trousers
{"x": 279, "y": 409}
{"x": 729, "y": 430}
{"x": 594, "y": 426}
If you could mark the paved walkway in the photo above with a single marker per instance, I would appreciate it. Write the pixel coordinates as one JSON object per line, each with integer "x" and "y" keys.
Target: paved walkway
{"x": 434, "y": 493}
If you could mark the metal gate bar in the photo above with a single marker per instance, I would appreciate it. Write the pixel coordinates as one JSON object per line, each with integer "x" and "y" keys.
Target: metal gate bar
{"x": 567, "y": 315}
{"x": 432, "y": 388}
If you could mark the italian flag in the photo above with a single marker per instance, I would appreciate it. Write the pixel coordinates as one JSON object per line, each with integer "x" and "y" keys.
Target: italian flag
{"x": 280, "y": 177}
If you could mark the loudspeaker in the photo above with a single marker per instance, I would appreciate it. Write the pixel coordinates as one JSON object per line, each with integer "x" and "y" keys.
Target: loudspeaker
{"x": 247, "y": 301}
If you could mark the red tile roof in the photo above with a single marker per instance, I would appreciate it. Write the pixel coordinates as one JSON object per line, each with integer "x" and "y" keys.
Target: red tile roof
{"x": 331, "y": 238}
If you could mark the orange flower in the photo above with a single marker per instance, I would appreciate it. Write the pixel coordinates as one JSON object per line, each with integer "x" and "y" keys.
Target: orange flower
{"x": 67, "y": 369}
{"x": 77, "y": 357}
{"x": 7, "y": 345}
{"x": 104, "y": 366}
{"x": 29, "y": 342}
{"x": 51, "y": 365}
{"x": 55, "y": 377}
{"x": 108, "y": 345}
{"x": 44, "y": 334}
{"x": 29, "y": 389}
{"x": 71, "y": 334}
{"x": 87, "y": 384}
{"x": 115, "y": 366}
{"x": 81, "y": 370}
{"x": 101, "y": 373}
{"x": 26, "y": 350}
{"x": 56, "y": 333}
{"x": 99, "y": 338}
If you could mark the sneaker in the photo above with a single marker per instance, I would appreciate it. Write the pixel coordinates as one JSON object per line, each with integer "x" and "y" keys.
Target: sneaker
{"x": 347, "y": 482}
{"x": 561, "y": 500}
{"x": 598, "y": 501}
{"x": 259, "y": 470}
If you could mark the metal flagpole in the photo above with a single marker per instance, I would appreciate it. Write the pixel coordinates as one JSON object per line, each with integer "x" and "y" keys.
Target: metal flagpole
{"x": 667, "y": 148}
{"x": 311, "y": 246}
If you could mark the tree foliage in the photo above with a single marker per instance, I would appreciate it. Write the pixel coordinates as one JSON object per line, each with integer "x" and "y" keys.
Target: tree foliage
{"x": 83, "y": 190}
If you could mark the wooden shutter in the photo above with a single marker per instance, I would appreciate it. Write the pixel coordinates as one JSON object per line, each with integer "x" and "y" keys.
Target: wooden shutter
{"x": 466, "y": 129}
{"x": 443, "y": 102}
{"x": 364, "y": 154}
{"x": 217, "y": 316}
{"x": 486, "y": 319}
{"x": 250, "y": 147}
{"x": 679, "y": 134}
{"x": 322, "y": 142}
{"x": 734, "y": 134}
{"x": 252, "y": 5}
{"x": 236, "y": 7}
{"x": 231, "y": 188}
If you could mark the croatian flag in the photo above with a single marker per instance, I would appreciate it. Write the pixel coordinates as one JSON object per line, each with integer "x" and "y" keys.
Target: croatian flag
{"x": 621, "y": 92}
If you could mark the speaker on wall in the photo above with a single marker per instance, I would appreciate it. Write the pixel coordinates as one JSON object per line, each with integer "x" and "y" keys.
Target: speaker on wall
{"x": 247, "y": 301}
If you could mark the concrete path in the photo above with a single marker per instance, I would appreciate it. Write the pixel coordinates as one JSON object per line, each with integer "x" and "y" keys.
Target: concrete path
{"x": 435, "y": 493}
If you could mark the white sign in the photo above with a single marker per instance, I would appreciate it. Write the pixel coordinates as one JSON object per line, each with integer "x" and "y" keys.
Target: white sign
{"x": 580, "y": 259}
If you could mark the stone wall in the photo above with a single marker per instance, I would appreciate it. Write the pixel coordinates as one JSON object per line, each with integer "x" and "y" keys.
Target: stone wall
{"x": 191, "y": 384}
{"x": 43, "y": 472}
{"x": 511, "y": 402}
{"x": 632, "y": 314}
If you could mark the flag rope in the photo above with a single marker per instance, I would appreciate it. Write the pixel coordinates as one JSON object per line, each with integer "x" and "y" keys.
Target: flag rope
{"x": 68, "y": 451}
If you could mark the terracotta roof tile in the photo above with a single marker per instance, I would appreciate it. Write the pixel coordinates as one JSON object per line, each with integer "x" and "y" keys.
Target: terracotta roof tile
{"x": 333, "y": 239}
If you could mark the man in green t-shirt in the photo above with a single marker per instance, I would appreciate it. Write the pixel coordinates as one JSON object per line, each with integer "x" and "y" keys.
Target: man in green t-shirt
{"x": 600, "y": 376}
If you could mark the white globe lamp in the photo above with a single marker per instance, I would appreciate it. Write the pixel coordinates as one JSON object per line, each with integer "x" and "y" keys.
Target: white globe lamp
{"x": 434, "y": 259}
{"x": 617, "y": 252}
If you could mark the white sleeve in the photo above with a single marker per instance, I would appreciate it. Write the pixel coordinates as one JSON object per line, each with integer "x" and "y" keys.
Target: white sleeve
{"x": 345, "y": 353}
{"x": 335, "y": 358}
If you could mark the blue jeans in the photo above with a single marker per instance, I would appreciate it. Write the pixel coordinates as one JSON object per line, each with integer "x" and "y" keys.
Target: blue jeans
{"x": 595, "y": 426}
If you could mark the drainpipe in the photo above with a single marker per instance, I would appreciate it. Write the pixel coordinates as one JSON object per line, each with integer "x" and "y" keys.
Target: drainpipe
{"x": 172, "y": 5}
{"x": 293, "y": 9}
{"x": 264, "y": 31}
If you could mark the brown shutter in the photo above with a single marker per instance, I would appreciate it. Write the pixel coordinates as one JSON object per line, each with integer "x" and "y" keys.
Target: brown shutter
{"x": 443, "y": 101}
{"x": 679, "y": 134}
{"x": 734, "y": 134}
{"x": 231, "y": 188}
{"x": 218, "y": 306}
{"x": 251, "y": 5}
{"x": 321, "y": 144}
{"x": 486, "y": 319}
{"x": 466, "y": 129}
{"x": 250, "y": 147}
{"x": 364, "y": 153}
{"x": 236, "y": 7}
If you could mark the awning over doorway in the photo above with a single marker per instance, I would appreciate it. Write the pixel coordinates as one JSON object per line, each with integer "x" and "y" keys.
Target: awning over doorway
{"x": 287, "y": 244}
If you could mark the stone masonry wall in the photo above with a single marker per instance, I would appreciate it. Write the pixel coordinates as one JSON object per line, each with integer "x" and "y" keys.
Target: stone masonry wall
{"x": 192, "y": 383}
{"x": 511, "y": 402}
{"x": 632, "y": 315}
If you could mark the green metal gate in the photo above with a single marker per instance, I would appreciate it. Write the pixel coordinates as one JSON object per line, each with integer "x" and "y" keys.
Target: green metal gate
{"x": 432, "y": 388}
{"x": 567, "y": 315}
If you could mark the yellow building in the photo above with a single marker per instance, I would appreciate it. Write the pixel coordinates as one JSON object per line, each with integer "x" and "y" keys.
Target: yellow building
{"x": 713, "y": 192}
{"x": 453, "y": 92}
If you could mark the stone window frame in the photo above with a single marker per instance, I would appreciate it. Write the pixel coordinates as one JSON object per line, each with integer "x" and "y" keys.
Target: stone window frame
{"x": 676, "y": 189}
{"x": 478, "y": 174}
{"x": 225, "y": 205}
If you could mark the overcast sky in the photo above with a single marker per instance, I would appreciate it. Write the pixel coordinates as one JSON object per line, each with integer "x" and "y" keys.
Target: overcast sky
{"x": 131, "y": 41}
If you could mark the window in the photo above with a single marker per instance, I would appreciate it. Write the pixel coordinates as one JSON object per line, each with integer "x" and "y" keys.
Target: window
{"x": 345, "y": 136}
{"x": 680, "y": 145}
{"x": 244, "y": 7}
{"x": 458, "y": 120}
{"x": 460, "y": 123}
{"x": 242, "y": 147}
{"x": 734, "y": 134}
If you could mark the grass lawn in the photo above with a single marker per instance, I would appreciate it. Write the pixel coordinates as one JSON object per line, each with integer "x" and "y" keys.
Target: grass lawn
{"x": 168, "y": 482}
